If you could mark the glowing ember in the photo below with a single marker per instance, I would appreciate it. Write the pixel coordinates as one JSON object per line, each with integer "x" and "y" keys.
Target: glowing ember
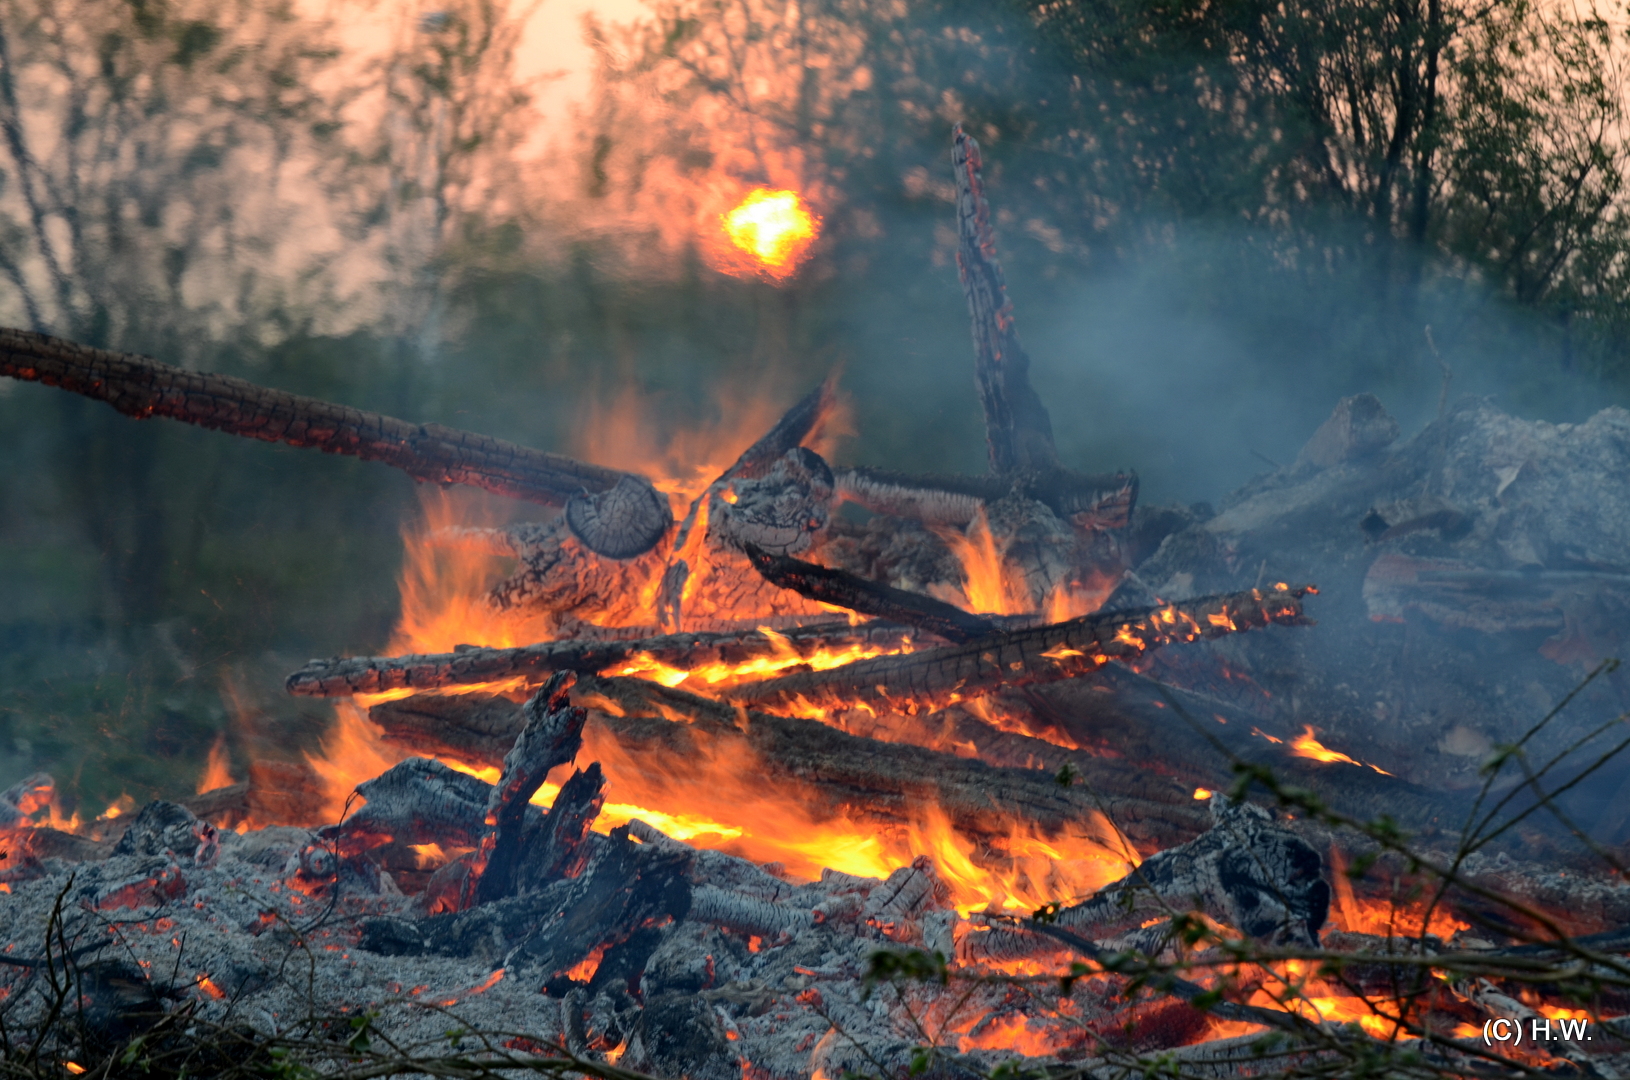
{"x": 1202, "y": 793}
{"x": 645, "y": 666}
{"x": 774, "y": 227}
{"x": 486, "y": 984}
{"x": 583, "y": 970}
{"x": 1307, "y": 746}
{"x": 207, "y": 985}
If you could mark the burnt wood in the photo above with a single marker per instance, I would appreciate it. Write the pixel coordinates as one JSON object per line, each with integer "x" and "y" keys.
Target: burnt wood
{"x": 552, "y": 736}
{"x": 557, "y": 846}
{"x": 756, "y": 462}
{"x": 843, "y": 589}
{"x": 344, "y": 676}
{"x": 141, "y": 387}
{"x": 621, "y": 523}
{"x": 937, "y": 677}
{"x": 1248, "y": 871}
{"x": 623, "y": 887}
{"x": 1090, "y": 501}
{"x": 417, "y": 801}
{"x": 1017, "y": 427}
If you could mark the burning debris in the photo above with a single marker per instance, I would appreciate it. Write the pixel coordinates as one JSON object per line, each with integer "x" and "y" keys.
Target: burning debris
{"x": 965, "y": 781}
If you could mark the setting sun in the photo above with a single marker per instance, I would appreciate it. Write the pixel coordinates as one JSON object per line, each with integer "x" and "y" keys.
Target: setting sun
{"x": 774, "y": 227}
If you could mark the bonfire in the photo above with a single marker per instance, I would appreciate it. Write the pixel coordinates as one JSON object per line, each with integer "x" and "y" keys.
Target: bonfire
{"x": 1004, "y": 771}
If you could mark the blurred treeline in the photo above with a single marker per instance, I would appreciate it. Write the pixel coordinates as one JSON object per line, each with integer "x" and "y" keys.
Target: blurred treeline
{"x": 1216, "y": 217}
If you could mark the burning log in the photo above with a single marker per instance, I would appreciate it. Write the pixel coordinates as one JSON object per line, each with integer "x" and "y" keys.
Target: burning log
{"x": 616, "y": 513}
{"x": 558, "y": 846}
{"x": 837, "y": 773}
{"x": 344, "y": 676}
{"x": 938, "y": 677}
{"x": 623, "y": 887}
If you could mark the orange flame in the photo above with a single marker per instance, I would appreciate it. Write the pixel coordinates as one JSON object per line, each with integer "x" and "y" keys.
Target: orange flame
{"x": 1380, "y": 917}
{"x": 775, "y": 228}
{"x": 583, "y": 970}
{"x": 720, "y": 673}
{"x": 986, "y": 586}
{"x": 217, "y": 771}
{"x": 1308, "y": 746}
{"x": 1010, "y": 1031}
{"x": 443, "y": 586}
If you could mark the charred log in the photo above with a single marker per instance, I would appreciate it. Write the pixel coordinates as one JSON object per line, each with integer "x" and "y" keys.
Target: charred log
{"x": 796, "y": 425}
{"x": 418, "y": 801}
{"x": 1096, "y": 502}
{"x": 843, "y": 589}
{"x": 769, "y": 454}
{"x": 943, "y": 676}
{"x": 623, "y": 886}
{"x": 557, "y": 847}
{"x": 1247, "y": 871}
{"x": 343, "y": 676}
{"x": 552, "y": 736}
{"x": 623, "y": 522}
{"x": 140, "y": 387}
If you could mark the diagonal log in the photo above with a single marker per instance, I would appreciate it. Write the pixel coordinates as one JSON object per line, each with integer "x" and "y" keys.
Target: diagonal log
{"x": 796, "y": 424}
{"x": 843, "y": 589}
{"x": 343, "y": 676}
{"x": 1017, "y": 427}
{"x": 934, "y": 678}
{"x": 140, "y": 387}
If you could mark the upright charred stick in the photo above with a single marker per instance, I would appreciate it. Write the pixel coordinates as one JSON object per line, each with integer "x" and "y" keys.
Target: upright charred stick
{"x": 552, "y": 736}
{"x": 843, "y": 589}
{"x": 344, "y": 676}
{"x": 557, "y": 847}
{"x": 1019, "y": 431}
{"x": 934, "y": 678}
{"x": 140, "y": 387}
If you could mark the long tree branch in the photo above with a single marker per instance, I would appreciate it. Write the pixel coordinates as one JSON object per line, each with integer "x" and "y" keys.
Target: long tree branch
{"x": 140, "y": 387}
